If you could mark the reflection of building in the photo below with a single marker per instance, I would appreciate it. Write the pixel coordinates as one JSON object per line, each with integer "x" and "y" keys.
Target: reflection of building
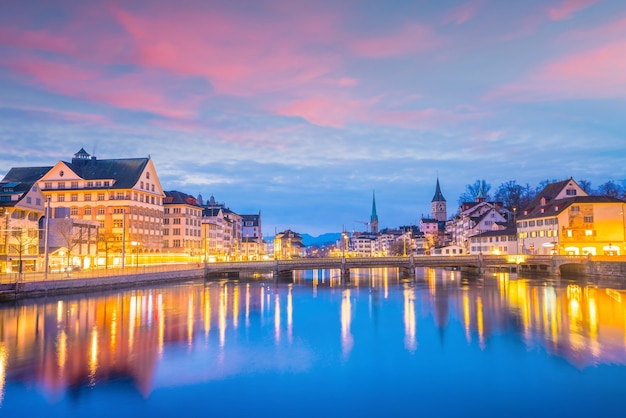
{"x": 563, "y": 219}
{"x": 21, "y": 207}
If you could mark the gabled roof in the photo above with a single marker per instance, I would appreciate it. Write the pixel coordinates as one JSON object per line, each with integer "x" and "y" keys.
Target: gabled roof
{"x": 555, "y": 207}
{"x": 14, "y": 188}
{"x": 25, "y": 174}
{"x": 125, "y": 171}
{"x": 549, "y": 192}
{"x": 212, "y": 211}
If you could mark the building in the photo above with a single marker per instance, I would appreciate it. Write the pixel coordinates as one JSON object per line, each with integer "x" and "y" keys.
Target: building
{"x": 213, "y": 226}
{"x": 72, "y": 243}
{"x": 288, "y": 245}
{"x": 374, "y": 216}
{"x": 123, "y": 195}
{"x": 476, "y": 218}
{"x": 564, "y": 219}
{"x": 438, "y": 205}
{"x": 364, "y": 244}
{"x": 499, "y": 241}
{"x": 252, "y": 245}
{"x": 229, "y": 228}
{"x": 182, "y": 224}
{"x": 21, "y": 208}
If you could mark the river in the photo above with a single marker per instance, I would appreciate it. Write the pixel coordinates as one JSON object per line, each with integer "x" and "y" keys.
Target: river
{"x": 438, "y": 344}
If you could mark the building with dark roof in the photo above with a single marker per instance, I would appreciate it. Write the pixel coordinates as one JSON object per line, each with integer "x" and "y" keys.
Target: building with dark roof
{"x": 182, "y": 225}
{"x": 564, "y": 219}
{"x": 123, "y": 195}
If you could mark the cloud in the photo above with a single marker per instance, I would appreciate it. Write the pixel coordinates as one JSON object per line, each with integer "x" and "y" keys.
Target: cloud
{"x": 464, "y": 12}
{"x": 409, "y": 39}
{"x": 592, "y": 74}
{"x": 566, "y": 8}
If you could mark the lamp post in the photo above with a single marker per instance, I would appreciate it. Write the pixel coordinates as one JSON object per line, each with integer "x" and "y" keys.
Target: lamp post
{"x": 136, "y": 245}
{"x": 45, "y": 241}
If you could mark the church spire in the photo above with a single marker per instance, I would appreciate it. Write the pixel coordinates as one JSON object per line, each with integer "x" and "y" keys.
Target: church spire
{"x": 438, "y": 195}
{"x": 374, "y": 217}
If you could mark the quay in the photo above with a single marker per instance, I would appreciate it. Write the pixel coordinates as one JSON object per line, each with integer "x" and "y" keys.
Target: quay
{"x": 14, "y": 286}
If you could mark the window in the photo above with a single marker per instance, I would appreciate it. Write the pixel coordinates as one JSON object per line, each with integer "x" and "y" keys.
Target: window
{"x": 569, "y": 233}
{"x": 141, "y": 184}
{"x": 98, "y": 184}
{"x": 87, "y": 211}
{"x": 47, "y": 185}
{"x": 177, "y": 221}
{"x": 153, "y": 187}
{"x": 100, "y": 211}
{"x": 61, "y": 185}
{"x": 166, "y": 231}
{"x": 87, "y": 197}
{"x": 166, "y": 243}
{"x": 90, "y": 184}
{"x": 120, "y": 196}
{"x": 531, "y": 223}
{"x": 118, "y": 223}
{"x": 176, "y": 243}
{"x": 61, "y": 198}
{"x": 100, "y": 196}
{"x": 166, "y": 221}
{"x": 107, "y": 183}
{"x": 74, "y": 211}
{"x": 152, "y": 200}
{"x": 540, "y": 222}
{"x": 589, "y": 233}
{"x": 29, "y": 200}
{"x": 176, "y": 231}
{"x": 176, "y": 210}
{"x": 74, "y": 185}
{"x": 74, "y": 197}
{"x": 38, "y": 202}
{"x": 147, "y": 174}
{"x": 575, "y": 208}
{"x": 588, "y": 219}
{"x": 166, "y": 211}
{"x": 570, "y": 192}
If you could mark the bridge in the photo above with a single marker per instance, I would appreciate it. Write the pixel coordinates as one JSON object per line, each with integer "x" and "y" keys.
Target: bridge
{"x": 283, "y": 268}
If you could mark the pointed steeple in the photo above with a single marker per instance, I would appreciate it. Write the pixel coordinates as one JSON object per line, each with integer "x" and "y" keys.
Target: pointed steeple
{"x": 374, "y": 217}
{"x": 438, "y": 195}
{"x": 481, "y": 195}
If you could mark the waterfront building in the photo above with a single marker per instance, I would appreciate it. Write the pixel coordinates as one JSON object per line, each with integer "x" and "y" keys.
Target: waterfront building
{"x": 476, "y": 218}
{"x": 230, "y": 228}
{"x": 287, "y": 245}
{"x": 123, "y": 195}
{"x": 364, "y": 244}
{"x": 182, "y": 224}
{"x": 564, "y": 219}
{"x": 21, "y": 208}
{"x": 499, "y": 241}
{"x": 72, "y": 242}
{"x": 252, "y": 245}
{"x": 213, "y": 226}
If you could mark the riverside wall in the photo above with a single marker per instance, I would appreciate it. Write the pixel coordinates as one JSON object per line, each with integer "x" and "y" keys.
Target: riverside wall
{"x": 19, "y": 290}
{"x": 613, "y": 269}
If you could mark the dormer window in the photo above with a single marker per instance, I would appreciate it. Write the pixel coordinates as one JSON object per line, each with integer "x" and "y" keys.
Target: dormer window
{"x": 543, "y": 201}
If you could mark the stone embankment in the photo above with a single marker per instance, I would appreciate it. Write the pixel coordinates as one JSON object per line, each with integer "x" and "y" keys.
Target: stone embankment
{"x": 13, "y": 291}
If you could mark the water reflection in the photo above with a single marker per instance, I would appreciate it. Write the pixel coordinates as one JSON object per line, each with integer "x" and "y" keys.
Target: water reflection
{"x": 71, "y": 342}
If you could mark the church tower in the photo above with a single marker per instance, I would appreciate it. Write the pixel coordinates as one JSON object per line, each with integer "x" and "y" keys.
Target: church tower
{"x": 438, "y": 205}
{"x": 374, "y": 217}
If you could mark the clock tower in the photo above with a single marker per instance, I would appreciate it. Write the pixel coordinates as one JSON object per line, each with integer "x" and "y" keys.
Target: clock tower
{"x": 438, "y": 205}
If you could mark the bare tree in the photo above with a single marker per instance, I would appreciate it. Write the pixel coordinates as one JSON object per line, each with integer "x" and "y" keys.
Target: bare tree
{"x": 66, "y": 236}
{"x": 610, "y": 188}
{"x": 472, "y": 191}
{"x": 108, "y": 242}
{"x": 23, "y": 239}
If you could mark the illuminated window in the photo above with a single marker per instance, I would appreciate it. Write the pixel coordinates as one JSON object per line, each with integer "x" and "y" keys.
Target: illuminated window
{"x": 569, "y": 233}
{"x": 588, "y": 233}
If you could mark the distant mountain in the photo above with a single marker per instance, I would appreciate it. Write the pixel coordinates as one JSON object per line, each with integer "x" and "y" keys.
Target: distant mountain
{"x": 328, "y": 238}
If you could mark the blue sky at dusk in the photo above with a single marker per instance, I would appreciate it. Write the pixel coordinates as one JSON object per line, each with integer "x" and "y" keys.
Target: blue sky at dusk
{"x": 301, "y": 109}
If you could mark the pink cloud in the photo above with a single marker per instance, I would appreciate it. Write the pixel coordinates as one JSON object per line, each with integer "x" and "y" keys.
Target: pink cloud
{"x": 568, "y": 7}
{"x": 597, "y": 73}
{"x": 409, "y": 39}
{"x": 139, "y": 92}
{"x": 66, "y": 115}
{"x": 463, "y": 12}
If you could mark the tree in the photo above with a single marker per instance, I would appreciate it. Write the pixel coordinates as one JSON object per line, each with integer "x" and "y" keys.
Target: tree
{"x": 586, "y": 186}
{"x": 472, "y": 191}
{"x": 510, "y": 194}
{"x": 610, "y": 188}
{"x": 108, "y": 242}
{"x": 23, "y": 239}
{"x": 66, "y": 236}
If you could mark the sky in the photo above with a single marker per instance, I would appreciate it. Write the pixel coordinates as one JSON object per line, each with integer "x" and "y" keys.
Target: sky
{"x": 303, "y": 109}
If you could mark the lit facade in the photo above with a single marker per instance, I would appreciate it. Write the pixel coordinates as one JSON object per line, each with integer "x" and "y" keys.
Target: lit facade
{"x": 182, "y": 224}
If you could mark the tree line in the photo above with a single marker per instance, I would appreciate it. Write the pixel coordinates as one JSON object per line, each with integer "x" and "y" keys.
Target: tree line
{"x": 518, "y": 196}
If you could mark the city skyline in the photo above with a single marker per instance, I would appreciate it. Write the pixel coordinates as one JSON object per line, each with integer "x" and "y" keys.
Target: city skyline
{"x": 303, "y": 110}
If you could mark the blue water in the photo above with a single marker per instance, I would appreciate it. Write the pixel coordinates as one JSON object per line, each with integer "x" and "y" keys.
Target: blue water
{"x": 438, "y": 344}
